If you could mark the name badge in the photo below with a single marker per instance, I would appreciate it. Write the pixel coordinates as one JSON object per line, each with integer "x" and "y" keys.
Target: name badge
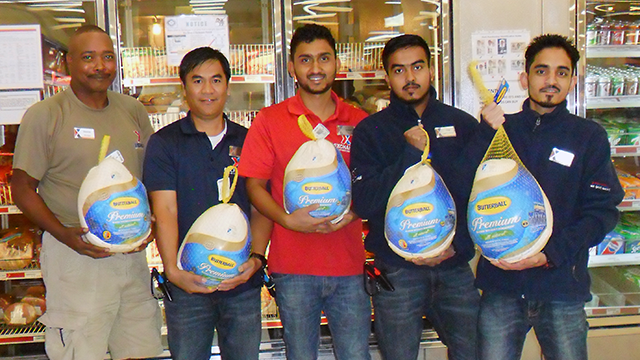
{"x": 345, "y": 130}
{"x": 84, "y": 133}
{"x": 561, "y": 157}
{"x": 445, "y": 131}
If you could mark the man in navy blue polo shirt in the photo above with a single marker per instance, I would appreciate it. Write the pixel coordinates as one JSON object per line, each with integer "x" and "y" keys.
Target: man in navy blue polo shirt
{"x": 183, "y": 164}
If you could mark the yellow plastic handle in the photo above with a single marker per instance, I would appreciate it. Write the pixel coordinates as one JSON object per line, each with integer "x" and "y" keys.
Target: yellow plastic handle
{"x": 305, "y": 126}
{"x": 425, "y": 152}
{"x": 104, "y": 146}
{"x": 227, "y": 191}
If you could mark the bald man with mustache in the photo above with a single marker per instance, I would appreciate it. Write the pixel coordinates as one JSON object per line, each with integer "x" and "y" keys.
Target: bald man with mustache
{"x": 97, "y": 301}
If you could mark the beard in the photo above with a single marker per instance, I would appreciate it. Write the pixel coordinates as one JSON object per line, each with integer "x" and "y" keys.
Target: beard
{"x": 309, "y": 90}
{"x": 305, "y": 86}
{"x": 546, "y": 101}
{"x": 412, "y": 101}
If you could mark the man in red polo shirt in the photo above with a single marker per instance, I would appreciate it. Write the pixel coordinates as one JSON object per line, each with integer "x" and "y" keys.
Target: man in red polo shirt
{"x": 316, "y": 265}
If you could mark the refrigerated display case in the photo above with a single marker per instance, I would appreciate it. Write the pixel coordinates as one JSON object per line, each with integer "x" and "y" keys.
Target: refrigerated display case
{"x": 149, "y": 75}
{"x": 609, "y": 34}
{"x": 57, "y": 21}
{"x": 361, "y": 28}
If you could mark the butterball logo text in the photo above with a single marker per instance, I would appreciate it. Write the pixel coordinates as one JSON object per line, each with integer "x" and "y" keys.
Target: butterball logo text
{"x": 417, "y": 210}
{"x": 124, "y": 203}
{"x": 316, "y": 188}
{"x": 222, "y": 262}
{"x": 493, "y": 205}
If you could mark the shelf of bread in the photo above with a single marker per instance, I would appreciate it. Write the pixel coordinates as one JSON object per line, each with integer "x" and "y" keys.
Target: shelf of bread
{"x": 613, "y": 102}
{"x": 11, "y": 334}
{"x": 612, "y": 51}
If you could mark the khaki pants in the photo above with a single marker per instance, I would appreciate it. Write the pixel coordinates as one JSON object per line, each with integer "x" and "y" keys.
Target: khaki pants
{"x": 95, "y": 305}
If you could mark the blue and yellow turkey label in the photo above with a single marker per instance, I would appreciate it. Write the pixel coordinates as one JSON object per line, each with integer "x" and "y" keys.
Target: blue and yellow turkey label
{"x": 507, "y": 217}
{"x": 212, "y": 259}
{"x": 123, "y": 217}
{"x": 332, "y": 191}
{"x": 420, "y": 223}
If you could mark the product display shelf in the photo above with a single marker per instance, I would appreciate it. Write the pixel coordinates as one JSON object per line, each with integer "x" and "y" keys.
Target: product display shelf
{"x": 625, "y": 150}
{"x": 614, "y": 260}
{"x": 21, "y": 334}
{"x": 629, "y": 205}
{"x": 31, "y": 272}
{"x": 613, "y": 51}
{"x": 613, "y": 102}
{"x": 238, "y": 79}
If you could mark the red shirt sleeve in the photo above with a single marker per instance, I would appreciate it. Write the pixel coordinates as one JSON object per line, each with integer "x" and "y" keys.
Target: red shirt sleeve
{"x": 257, "y": 158}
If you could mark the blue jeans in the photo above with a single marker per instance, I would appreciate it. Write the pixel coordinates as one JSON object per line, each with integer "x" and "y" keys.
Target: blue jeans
{"x": 447, "y": 297}
{"x": 301, "y": 300}
{"x": 192, "y": 318}
{"x": 561, "y": 327}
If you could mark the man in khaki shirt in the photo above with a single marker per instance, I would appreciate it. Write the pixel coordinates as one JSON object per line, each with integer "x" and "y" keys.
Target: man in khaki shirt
{"x": 97, "y": 301}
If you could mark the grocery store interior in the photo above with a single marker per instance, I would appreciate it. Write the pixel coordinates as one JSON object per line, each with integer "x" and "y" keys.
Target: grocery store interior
{"x": 254, "y": 34}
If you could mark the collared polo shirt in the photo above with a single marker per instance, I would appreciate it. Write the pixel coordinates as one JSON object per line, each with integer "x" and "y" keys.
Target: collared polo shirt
{"x": 273, "y": 139}
{"x": 180, "y": 158}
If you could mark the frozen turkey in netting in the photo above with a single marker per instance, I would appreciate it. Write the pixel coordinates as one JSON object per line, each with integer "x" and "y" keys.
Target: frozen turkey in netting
{"x": 113, "y": 205}
{"x": 420, "y": 220}
{"x": 509, "y": 215}
{"x": 217, "y": 243}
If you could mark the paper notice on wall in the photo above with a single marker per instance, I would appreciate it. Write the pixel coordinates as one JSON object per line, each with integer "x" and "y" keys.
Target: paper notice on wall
{"x": 500, "y": 55}
{"x": 21, "y": 57}
{"x": 13, "y": 104}
{"x": 184, "y": 33}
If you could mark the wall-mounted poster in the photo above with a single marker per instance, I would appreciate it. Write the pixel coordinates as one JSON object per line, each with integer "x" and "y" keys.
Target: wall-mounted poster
{"x": 21, "y": 57}
{"x": 500, "y": 55}
{"x": 184, "y": 33}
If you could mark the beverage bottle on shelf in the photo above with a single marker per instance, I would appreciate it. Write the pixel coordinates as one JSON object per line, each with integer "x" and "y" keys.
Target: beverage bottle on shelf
{"x": 592, "y": 34}
{"x": 617, "y": 84}
{"x": 604, "y": 35}
{"x": 631, "y": 84}
{"x": 591, "y": 85}
{"x": 631, "y": 35}
{"x": 617, "y": 34}
{"x": 604, "y": 85}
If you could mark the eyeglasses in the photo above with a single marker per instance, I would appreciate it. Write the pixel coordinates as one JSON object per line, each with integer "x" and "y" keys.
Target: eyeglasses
{"x": 375, "y": 280}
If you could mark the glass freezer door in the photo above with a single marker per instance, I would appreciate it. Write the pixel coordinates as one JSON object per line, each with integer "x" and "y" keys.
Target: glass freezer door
{"x": 148, "y": 75}
{"x": 361, "y": 29}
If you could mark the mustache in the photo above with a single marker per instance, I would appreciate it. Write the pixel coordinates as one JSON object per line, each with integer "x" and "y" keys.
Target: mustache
{"x": 410, "y": 83}
{"x": 552, "y": 87}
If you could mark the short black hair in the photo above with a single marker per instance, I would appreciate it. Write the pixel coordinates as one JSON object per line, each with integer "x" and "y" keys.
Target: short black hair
{"x": 403, "y": 42}
{"x": 199, "y": 56}
{"x": 546, "y": 41}
{"x": 309, "y": 33}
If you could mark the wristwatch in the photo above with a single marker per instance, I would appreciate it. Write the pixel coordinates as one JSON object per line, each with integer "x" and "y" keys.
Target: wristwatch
{"x": 260, "y": 257}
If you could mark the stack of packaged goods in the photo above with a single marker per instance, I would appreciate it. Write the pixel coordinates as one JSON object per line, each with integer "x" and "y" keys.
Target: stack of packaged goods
{"x": 624, "y": 239}
{"x": 620, "y": 130}
{"x": 611, "y": 81}
{"x": 613, "y": 32}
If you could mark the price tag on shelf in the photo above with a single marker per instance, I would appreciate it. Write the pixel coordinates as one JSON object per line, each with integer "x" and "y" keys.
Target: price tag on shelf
{"x": 612, "y": 311}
